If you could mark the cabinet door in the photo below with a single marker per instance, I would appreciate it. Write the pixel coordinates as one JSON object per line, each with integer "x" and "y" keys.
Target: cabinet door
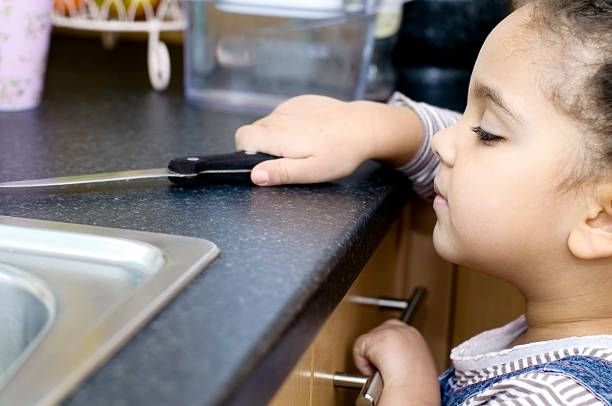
{"x": 297, "y": 388}
{"x": 332, "y": 350}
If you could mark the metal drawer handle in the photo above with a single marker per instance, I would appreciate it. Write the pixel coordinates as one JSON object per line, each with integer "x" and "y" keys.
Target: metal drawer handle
{"x": 372, "y": 386}
{"x": 342, "y": 380}
{"x": 382, "y": 302}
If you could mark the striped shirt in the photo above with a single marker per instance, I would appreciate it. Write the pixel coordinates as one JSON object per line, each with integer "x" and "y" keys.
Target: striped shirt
{"x": 422, "y": 168}
{"x": 486, "y": 356}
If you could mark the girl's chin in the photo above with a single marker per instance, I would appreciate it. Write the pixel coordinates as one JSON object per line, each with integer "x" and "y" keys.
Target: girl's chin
{"x": 442, "y": 244}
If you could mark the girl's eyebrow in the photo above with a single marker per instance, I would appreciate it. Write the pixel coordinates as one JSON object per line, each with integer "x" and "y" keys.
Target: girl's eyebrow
{"x": 487, "y": 92}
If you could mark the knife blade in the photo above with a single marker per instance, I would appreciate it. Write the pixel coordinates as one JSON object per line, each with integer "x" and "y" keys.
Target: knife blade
{"x": 186, "y": 171}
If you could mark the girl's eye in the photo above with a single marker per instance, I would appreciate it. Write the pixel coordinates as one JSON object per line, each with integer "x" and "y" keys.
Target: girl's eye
{"x": 486, "y": 137}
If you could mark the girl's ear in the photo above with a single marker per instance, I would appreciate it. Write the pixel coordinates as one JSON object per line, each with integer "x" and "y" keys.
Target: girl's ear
{"x": 591, "y": 238}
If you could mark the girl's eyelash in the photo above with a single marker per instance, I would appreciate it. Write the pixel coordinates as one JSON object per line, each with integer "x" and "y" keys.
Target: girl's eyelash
{"x": 486, "y": 137}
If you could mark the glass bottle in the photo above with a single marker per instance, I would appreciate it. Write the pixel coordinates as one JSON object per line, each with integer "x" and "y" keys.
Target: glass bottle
{"x": 381, "y": 74}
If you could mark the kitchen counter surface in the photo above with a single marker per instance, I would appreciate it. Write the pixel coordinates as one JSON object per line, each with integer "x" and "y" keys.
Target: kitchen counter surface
{"x": 288, "y": 253}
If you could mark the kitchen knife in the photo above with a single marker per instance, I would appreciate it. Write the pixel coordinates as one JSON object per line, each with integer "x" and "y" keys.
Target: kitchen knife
{"x": 188, "y": 171}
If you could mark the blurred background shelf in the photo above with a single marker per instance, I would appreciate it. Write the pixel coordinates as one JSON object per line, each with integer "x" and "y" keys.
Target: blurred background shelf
{"x": 109, "y": 18}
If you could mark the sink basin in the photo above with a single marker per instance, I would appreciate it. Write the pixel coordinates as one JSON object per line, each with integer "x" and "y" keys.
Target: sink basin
{"x": 71, "y": 295}
{"x": 27, "y": 310}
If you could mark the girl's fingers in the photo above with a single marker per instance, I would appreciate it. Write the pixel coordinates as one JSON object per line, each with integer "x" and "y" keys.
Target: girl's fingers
{"x": 284, "y": 171}
{"x": 362, "y": 349}
{"x": 361, "y": 361}
{"x": 372, "y": 347}
{"x": 255, "y": 137}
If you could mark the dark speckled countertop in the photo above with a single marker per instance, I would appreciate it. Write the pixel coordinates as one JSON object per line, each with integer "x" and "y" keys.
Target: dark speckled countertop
{"x": 288, "y": 253}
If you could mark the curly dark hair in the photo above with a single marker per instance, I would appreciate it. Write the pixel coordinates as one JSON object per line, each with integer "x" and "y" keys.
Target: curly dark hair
{"x": 582, "y": 29}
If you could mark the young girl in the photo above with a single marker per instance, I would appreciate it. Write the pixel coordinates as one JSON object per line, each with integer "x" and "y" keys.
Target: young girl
{"x": 523, "y": 191}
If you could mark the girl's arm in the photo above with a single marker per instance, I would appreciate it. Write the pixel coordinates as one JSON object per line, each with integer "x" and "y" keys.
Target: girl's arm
{"x": 322, "y": 139}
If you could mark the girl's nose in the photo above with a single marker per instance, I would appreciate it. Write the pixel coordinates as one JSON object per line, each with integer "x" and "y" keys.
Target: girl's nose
{"x": 443, "y": 146}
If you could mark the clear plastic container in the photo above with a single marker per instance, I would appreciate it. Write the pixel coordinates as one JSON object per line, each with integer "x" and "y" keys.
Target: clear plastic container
{"x": 250, "y": 55}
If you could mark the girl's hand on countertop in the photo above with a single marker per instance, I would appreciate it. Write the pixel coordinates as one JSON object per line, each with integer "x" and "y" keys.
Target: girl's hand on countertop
{"x": 321, "y": 139}
{"x": 317, "y": 136}
{"x": 401, "y": 355}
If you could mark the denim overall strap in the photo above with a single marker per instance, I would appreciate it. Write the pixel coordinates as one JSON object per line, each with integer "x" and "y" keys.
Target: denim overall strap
{"x": 593, "y": 373}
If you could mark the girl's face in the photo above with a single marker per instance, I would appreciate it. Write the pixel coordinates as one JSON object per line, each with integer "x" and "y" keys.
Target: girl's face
{"x": 499, "y": 205}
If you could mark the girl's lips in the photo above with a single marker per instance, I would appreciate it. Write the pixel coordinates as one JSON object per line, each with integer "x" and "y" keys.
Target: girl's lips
{"x": 439, "y": 200}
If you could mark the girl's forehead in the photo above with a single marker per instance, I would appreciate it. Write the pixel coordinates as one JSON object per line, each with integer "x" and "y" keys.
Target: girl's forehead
{"x": 515, "y": 35}
{"x": 516, "y": 57}
{"x": 519, "y": 72}
{"x": 533, "y": 65}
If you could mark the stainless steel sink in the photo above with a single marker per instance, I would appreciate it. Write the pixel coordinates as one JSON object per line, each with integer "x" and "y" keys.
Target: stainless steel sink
{"x": 71, "y": 295}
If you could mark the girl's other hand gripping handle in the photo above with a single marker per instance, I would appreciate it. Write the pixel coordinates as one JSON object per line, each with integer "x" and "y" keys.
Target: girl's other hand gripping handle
{"x": 401, "y": 355}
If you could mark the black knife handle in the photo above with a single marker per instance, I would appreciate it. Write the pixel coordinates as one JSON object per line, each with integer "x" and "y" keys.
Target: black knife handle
{"x": 237, "y": 161}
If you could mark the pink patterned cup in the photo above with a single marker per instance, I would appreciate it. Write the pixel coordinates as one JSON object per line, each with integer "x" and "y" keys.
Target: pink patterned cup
{"x": 25, "y": 27}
